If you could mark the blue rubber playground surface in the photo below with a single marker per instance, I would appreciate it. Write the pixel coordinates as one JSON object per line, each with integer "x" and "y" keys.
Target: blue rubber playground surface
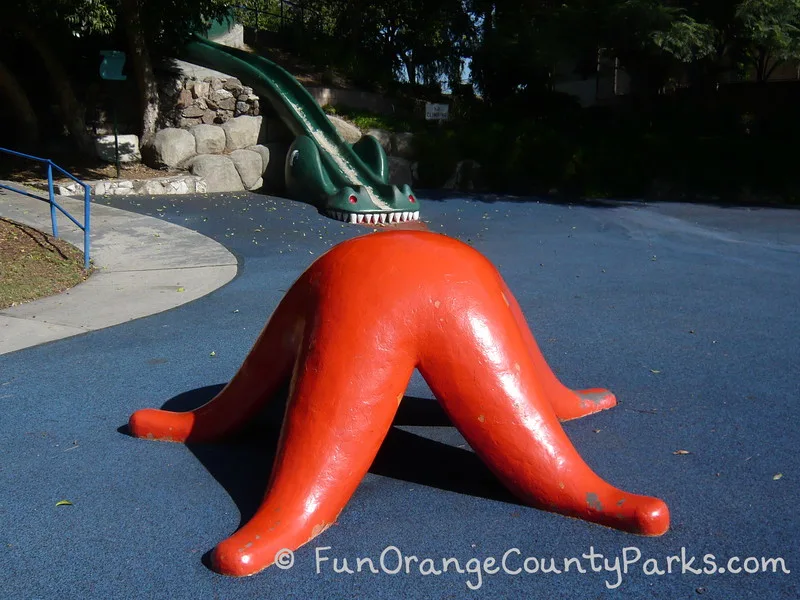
{"x": 688, "y": 313}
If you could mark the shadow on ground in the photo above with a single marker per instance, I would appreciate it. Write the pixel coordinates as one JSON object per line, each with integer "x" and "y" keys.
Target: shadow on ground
{"x": 243, "y": 463}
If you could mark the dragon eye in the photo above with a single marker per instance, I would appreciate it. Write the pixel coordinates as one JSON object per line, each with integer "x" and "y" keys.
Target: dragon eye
{"x": 411, "y": 197}
{"x": 352, "y": 199}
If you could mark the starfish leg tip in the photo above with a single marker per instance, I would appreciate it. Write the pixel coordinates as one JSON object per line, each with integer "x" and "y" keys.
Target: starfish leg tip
{"x": 653, "y": 517}
{"x": 228, "y": 559}
{"x": 154, "y": 424}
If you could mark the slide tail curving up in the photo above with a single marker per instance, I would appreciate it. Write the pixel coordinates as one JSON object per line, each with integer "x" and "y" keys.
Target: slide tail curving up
{"x": 346, "y": 182}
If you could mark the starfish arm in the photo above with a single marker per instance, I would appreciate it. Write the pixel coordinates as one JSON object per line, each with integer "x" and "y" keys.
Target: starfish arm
{"x": 568, "y": 404}
{"x": 478, "y": 365}
{"x": 336, "y": 419}
{"x": 267, "y": 367}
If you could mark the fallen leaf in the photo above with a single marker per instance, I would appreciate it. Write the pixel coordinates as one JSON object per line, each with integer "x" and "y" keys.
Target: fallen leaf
{"x": 213, "y": 353}
{"x": 597, "y": 430}
{"x": 64, "y": 503}
{"x": 655, "y": 371}
{"x": 777, "y": 476}
{"x": 681, "y": 452}
{"x": 180, "y": 289}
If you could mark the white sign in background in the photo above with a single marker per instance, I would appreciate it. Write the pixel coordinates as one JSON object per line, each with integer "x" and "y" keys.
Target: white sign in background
{"x": 436, "y": 112}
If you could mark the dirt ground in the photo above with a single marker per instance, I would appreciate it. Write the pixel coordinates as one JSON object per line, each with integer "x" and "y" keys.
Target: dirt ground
{"x": 34, "y": 264}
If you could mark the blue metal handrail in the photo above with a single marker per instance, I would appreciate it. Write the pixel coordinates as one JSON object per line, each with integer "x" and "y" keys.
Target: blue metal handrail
{"x": 87, "y": 192}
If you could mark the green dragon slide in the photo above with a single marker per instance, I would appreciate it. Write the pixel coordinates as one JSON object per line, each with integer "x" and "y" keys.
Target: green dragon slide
{"x": 346, "y": 182}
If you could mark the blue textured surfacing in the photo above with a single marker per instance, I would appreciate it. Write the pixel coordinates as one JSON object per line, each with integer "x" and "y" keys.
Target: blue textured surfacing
{"x": 689, "y": 314}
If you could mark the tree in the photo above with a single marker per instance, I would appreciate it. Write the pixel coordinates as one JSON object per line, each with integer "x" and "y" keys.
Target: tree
{"x": 769, "y": 34}
{"x": 520, "y": 43}
{"x": 28, "y": 123}
{"x": 38, "y": 22}
{"x": 161, "y": 28}
{"x": 151, "y": 27}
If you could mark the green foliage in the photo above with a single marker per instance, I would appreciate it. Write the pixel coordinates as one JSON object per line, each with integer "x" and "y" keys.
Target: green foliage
{"x": 167, "y": 24}
{"x": 686, "y": 39}
{"x": 770, "y": 33}
{"x": 423, "y": 40}
{"x": 86, "y": 17}
{"x": 364, "y": 119}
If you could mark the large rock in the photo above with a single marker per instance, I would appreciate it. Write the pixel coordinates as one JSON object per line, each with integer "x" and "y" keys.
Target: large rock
{"x": 400, "y": 171}
{"x": 184, "y": 99}
{"x": 189, "y": 122}
{"x": 249, "y": 164}
{"x": 384, "y": 139}
{"x": 152, "y": 188}
{"x": 201, "y": 89}
{"x": 241, "y": 132}
{"x": 173, "y": 147}
{"x": 233, "y": 85}
{"x": 209, "y": 139}
{"x": 263, "y": 152}
{"x": 221, "y": 99}
{"x": 349, "y": 132}
{"x": 128, "y": 149}
{"x": 193, "y": 112}
{"x": 218, "y": 171}
{"x": 403, "y": 145}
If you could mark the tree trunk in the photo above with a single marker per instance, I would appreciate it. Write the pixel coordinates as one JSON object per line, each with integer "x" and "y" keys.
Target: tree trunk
{"x": 71, "y": 110}
{"x": 143, "y": 69}
{"x": 27, "y": 121}
{"x": 411, "y": 69}
{"x": 771, "y": 68}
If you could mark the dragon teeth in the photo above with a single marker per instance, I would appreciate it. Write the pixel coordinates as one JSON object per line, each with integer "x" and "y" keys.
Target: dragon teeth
{"x": 374, "y": 218}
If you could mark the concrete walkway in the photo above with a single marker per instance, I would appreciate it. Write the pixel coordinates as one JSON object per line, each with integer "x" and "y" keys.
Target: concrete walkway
{"x": 144, "y": 266}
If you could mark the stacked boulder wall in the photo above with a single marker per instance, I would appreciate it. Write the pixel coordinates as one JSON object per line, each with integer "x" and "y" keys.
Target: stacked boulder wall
{"x": 173, "y": 147}
{"x": 241, "y": 132}
{"x": 210, "y": 139}
{"x": 219, "y": 172}
{"x": 249, "y": 166}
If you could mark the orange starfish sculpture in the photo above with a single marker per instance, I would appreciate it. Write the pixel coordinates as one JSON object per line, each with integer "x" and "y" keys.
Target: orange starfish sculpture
{"x": 349, "y": 334}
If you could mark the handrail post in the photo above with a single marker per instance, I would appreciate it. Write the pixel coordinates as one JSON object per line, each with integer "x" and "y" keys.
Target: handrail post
{"x": 52, "y": 195}
{"x": 86, "y": 217}
{"x": 51, "y": 199}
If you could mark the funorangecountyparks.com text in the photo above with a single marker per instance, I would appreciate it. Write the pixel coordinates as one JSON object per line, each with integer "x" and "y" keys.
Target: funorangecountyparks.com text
{"x": 515, "y": 562}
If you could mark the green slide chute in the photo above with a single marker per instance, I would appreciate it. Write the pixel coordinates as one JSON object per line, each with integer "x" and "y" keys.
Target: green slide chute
{"x": 347, "y": 182}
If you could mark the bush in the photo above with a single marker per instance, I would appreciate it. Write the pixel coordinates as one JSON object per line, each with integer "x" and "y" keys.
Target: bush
{"x": 364, "y": 119}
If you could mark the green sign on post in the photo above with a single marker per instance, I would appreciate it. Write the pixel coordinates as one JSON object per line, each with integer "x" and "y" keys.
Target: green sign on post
{"x": 111, "y": 69}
